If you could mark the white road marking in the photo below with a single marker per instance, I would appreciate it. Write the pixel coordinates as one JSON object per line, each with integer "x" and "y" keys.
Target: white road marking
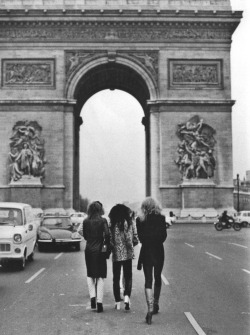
{"x": 34, "y": 276}
{"x": 247, "y": 271}
{"x": 214, "y": 256}
{"x": 59, "y": 255}
{"x": 164, "y": 279}
{"x": 193, "y": 322}
{"x": 190, "y": 245}
{"x": 239, "y": 245}
{"x": 78, "y": 305}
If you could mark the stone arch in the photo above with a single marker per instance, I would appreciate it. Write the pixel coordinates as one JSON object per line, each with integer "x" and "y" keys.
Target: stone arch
{"x": 101, "y": 74}
{"x": 140, "y": 75}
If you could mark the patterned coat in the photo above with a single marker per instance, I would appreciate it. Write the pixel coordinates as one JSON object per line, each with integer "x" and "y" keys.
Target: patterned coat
{"x": 122, "y": 241}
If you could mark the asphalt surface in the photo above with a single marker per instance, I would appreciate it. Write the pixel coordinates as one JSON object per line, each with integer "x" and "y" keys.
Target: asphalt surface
{"x": 205, "y": 290}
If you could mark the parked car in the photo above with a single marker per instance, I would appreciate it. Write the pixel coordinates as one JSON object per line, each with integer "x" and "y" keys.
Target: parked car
{"x": 58, "y": 229}
{"x": 18, "y": 231}
{"x": 244, "y": 218}
{"x": 77, "y": 220}
{"x": 78, "y": 217}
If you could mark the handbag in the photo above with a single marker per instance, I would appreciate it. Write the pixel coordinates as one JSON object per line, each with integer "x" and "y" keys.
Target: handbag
{"x": 104, "y": 245}
{"x": 135, "y": 240}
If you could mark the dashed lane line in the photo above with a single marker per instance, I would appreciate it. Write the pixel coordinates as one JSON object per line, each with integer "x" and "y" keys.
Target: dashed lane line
{"x": 34, "y": 276}
{"x": 247, "y": 271}
{"x": 214, "y": 256}
{"x": 164, "y": 279}
{"x": 194, "y": 323}
{"x": 190, "y": 245}
{"x": 59, "y": 255}
{"x": 239, "y": 245}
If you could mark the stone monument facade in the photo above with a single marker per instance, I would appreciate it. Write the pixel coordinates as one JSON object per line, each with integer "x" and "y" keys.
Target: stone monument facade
{"x": 173, "y": 56}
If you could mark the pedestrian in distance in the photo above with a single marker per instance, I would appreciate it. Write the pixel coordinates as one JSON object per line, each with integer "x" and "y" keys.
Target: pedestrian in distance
{"x": 151, "y": 228}
{"x": 123, "y": 239}
{"x": 95, "y": 231}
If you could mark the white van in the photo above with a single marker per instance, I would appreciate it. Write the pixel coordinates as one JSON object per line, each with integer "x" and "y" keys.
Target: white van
{"x": 244, "y": 218}
{"x": 18, "y": 232}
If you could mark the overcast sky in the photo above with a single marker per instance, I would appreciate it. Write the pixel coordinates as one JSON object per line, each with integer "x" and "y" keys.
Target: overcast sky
{"x": 112, "y": 163}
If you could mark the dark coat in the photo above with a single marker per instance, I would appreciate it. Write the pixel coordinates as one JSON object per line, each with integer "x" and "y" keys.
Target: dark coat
{"x": 152, "y": 233}
{"x": 94, "y": 230}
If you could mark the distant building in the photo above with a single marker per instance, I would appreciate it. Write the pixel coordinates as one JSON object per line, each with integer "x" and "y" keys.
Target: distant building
{"x": 242, "y": 193}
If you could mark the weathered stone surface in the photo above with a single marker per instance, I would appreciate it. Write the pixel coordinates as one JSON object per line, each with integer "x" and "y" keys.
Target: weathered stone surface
{"x": 176, "y": 62}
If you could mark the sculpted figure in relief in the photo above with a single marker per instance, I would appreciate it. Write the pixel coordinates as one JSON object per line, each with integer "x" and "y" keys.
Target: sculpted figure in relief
{"x": 26, "y": 151}
{"x": 195, "y": 151}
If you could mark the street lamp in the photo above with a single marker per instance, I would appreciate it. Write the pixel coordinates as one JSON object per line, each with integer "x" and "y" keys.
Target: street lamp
{"x": 238, "y": 193}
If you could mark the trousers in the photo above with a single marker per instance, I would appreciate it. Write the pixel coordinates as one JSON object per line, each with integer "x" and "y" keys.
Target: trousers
{"x": 127, "y": 272}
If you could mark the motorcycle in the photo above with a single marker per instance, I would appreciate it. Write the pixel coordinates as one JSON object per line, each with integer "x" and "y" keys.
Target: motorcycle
{"x": 221, "y": 224}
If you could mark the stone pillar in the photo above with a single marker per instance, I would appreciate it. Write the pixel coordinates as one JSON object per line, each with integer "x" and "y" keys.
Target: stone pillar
{"x": 68, "y": 156}
{"x": 154, "y": 135}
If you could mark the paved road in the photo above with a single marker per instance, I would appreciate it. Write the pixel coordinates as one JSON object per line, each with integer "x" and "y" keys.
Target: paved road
{"x": 206, "y": 290}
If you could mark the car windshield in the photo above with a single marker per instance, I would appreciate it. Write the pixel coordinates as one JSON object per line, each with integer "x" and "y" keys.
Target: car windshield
{"x": 11, "y": 217}
{"x": 57, "y": 222}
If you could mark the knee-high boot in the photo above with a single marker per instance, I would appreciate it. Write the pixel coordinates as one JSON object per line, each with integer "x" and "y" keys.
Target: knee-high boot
{"x": 149, "y": 299}
{"x": 157, "y": 292}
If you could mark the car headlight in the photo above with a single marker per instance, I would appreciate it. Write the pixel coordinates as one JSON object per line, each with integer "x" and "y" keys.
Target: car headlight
{"x": 17, "y": 238}
{"x": 75, "y": 235}
{"x": 44, "y": 236}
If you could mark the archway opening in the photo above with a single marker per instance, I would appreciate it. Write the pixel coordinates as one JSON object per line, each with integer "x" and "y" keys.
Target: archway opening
{"x": 112, "y": 149}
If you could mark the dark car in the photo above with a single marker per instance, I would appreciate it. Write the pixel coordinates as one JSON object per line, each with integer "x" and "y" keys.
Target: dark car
{"x": 58, "y": 230}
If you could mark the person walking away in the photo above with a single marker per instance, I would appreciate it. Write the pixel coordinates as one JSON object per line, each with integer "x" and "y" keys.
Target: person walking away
{"x": 95, "y": 230}
{"x": 151, "y": 228}
{"x": 123, "y": 236}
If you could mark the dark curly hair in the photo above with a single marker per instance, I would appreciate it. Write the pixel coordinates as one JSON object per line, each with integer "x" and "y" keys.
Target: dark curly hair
{"x": 119, "y": 214}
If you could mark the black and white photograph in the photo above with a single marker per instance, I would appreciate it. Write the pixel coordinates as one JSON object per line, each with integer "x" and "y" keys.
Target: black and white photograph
{"x": 124, "y": 167}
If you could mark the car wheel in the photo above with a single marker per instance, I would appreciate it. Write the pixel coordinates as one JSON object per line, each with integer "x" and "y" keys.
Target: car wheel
{"x": 31, "y": 256}
{"x": 21, "y": 263}
{"x": 237, "y": 226}
{"x": 218, "y": 226}
{"x": 78, "y": 246}
{"x": 244, "y": 224}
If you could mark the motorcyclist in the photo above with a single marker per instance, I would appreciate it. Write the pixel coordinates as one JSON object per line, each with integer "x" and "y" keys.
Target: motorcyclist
{"x": 225, "y": 218}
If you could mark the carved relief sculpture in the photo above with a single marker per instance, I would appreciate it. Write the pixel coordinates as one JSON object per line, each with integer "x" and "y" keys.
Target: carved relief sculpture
{"x": 188, "y": 74}
{"x": 28, "y": 72}
{"x": 26, "y": 151}
{"x": 196, "y": 149}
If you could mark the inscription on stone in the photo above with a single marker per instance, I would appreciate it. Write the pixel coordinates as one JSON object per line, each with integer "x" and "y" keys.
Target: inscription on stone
{"x": 28, "y": 73}
{"x": 194, "y": 74}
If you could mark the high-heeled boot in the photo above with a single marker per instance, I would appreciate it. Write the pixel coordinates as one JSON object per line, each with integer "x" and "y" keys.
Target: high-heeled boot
{"x": 149, "y": 299}
{"x": 157, "y": 292}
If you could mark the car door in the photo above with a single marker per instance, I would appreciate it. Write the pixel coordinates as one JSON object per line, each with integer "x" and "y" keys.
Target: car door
{"x": 30, "y": 229}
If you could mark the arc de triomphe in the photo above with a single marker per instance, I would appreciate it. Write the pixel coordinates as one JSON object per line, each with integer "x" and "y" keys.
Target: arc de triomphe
{"x": 173, "y": 56}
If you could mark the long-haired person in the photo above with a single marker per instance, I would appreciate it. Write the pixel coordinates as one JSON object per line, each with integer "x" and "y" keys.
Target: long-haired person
{"x": 151, "y": 229}
{"x": 95, "y": 229}
{"x": 123, "y": 237}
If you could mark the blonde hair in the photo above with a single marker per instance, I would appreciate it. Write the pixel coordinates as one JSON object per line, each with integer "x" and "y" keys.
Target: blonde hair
{"x": 149, "y": 206}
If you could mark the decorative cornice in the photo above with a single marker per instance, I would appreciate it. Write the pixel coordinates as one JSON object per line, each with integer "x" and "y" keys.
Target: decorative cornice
{"x": 116, "y": 31}
{"x": 37, "y": 102}
{"x": 191, "y": 102}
